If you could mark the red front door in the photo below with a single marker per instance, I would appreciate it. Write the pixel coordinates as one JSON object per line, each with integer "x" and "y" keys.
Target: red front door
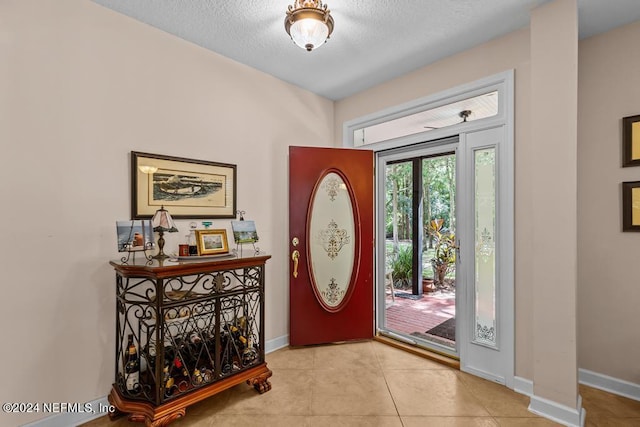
{"x": 330, "y": 245}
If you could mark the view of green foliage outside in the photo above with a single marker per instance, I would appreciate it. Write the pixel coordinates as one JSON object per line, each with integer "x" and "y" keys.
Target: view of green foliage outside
{"x": 438, "y": 186}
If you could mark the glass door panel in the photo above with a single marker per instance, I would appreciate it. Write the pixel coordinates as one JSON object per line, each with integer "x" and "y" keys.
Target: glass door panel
{"x": 485, "y": 231}
{"x": 420, "y": 249}
{"x": 398, "y": 227}
{"x": 439, "y": 218}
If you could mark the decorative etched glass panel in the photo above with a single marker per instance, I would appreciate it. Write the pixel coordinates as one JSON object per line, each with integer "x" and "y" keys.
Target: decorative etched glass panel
{"x": 331, "y": 238}
{"x": 485, "y": 248}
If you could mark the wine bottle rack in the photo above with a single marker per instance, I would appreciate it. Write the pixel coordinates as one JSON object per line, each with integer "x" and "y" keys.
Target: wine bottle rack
{"x": 198, "y": 328}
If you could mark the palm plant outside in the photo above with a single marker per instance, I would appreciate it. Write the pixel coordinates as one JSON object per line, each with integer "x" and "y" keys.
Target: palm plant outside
{"x": 438, "y": 187}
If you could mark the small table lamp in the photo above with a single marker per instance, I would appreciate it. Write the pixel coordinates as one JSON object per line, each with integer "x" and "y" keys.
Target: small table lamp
{"x": 162, "y": 222}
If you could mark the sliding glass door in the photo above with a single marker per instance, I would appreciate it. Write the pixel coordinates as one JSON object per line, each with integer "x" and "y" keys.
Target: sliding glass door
{"x": 417, "y": 217}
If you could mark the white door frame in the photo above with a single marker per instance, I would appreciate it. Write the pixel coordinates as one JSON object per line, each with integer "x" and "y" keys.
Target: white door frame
{"x": 500, "y": 366}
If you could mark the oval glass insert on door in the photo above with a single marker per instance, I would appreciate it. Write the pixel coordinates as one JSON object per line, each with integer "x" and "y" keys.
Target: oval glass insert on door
{"x": 332, "y": 240}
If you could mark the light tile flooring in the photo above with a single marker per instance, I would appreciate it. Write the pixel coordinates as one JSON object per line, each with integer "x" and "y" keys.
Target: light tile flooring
{"x": 372, "y": 384}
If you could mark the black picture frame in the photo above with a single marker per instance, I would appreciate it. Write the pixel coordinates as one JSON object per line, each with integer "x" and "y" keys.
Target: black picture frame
{"x": 631, "y": 141}
{"x": 631, "y": 206}
{"x": 187, "y": 188}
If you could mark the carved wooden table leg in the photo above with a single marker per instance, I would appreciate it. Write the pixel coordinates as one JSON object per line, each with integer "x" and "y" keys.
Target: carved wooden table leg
{"x": 137, "y": 418}
{"x": 116, "y": 413}
{"x": 261, "y": 382}
{"x": 166, "y": 420}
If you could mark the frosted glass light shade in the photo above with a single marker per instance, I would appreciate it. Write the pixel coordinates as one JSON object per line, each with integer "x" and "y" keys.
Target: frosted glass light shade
{"x": 309, "y": 23}
{"x": 309, "y": 33}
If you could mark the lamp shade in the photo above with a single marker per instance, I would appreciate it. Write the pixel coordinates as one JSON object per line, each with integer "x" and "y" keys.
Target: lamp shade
{"x": 147, "y": 169}
{"x": 309, "y": 33}
{"x": 162, "y": 221}
{"x": 309, "y": 23}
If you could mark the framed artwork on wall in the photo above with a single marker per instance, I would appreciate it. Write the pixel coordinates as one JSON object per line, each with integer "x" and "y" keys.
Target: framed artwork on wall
{"x": 631, "y": 206}
{"x": 188, "y": 188}
{"x": 631, "y": 141}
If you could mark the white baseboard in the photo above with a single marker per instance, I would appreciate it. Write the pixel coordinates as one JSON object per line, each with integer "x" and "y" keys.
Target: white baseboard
{"x": 609, "y": 384}
{"x": 276, "y": 343}
{"x": 523, "y": 386}
{"x": 67, "y": 419}
{"x": 589, "y": 378}
{"x": 557, "y": 412}
{"x": 549, "y": 409}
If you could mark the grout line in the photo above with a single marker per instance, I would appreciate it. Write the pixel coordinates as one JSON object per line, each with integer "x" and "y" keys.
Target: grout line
{"x": 393, "y": 399}
{"x": 464, "y": 384}
{"x": 387, "y": 384}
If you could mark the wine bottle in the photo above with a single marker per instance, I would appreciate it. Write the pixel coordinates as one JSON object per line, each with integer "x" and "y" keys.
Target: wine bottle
{"x": 193, "y": 246}
{"x": 132, "y": 368}
{"x": 242, "y": 324}
{"x": 240, "y": 340}
{"x": 197, "y": 377}
{"x": 249, "y": 355}
{"x": 167, "y": 381}
{"x": 181, "y": 369}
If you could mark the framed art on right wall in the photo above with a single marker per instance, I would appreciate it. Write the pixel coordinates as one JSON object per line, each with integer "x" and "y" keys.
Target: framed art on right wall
{"x": 631, "y": 141}
{"x": 631, "y": 206}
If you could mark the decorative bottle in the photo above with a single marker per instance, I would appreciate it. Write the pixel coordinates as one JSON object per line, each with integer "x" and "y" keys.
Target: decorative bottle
{"x": 193, "y": 247}
{"x": 132, "y": 367}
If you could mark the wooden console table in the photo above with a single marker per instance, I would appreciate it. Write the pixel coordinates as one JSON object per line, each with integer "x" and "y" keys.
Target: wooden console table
{"x": 186, "y": 331}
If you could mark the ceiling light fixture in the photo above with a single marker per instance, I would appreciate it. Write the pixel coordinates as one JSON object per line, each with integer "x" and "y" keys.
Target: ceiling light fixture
{"x": 309, "y": 23}
{"x": 465, "y": 114}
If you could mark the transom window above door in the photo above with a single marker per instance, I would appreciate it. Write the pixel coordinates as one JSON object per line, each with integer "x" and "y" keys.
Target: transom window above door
{"x": 466, "y": 110}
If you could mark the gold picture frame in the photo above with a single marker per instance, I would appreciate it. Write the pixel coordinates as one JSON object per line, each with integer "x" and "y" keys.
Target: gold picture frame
{"x": 188, "y": 188}
{"x": 631, "y": 141}
{"x": 631, "y": 206}
{"x": 212, "y": 242}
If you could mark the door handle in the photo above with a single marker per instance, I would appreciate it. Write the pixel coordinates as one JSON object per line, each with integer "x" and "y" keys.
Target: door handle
{"x": 295, "y": 255}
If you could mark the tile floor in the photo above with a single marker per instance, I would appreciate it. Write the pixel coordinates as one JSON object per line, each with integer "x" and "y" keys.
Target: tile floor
{"x": 373, "y": 384}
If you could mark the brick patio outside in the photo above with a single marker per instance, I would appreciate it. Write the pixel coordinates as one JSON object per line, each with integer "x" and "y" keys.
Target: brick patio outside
{"x": 418, "y": 316}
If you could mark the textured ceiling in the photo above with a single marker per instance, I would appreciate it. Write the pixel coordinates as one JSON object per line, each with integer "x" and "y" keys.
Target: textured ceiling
{"x": 373, "y": 40}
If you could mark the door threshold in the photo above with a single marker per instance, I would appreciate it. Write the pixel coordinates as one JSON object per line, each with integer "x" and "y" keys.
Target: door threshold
{"x": 446, "y": 360}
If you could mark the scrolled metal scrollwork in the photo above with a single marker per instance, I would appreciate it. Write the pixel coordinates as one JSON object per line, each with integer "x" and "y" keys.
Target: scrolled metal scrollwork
{"x": 190, "y": 331}
{"x": 136, "y": 290}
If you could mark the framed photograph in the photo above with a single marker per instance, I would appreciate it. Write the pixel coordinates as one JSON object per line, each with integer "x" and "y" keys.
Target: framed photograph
{"x": 244, "y": 231}
{"x": 212, "y": 242}
{"x": 185, "y": 187}
{"x": 631, "y": 206}
{"x": 134, "y": 235}
{"x": 631, "y": 141}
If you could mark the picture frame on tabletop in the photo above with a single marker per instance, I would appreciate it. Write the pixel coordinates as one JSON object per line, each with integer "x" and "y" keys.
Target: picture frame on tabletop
{"x": 188, "y": 188}
{"x": 631, "y": 206}
{"x": 631, "y": 141}
{"x": 212, "y": 242}
{"x": 133, "y": 236}
{"x": 244, "y": 231}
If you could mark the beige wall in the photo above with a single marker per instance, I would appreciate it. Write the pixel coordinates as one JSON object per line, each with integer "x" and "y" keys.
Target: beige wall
{"x": 80, "y": 87}
{"x": 608, "y": 261}
{"x": 554, "y": 109}
{"x": 608, "y": 288}
{"x": 509, "y": 52}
